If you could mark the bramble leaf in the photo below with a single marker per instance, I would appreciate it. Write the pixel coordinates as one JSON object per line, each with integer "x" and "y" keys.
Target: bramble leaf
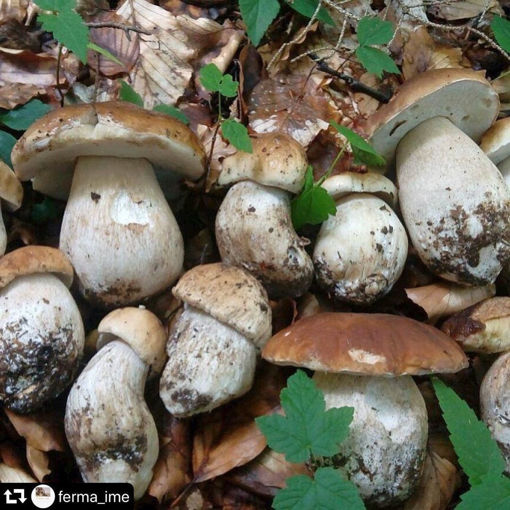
{"x": 43, "y": 211}
{"x": 237, "y": 134}
{"x": 492, "y": 494}
{"x": 56, "y": 5}
{"x": 210, "y": 77}
{"x": 172, "y": 111}
{"x": 7, "y": 142}
{"x": 478, "y": 453}
{"x": 23, "y": 116}
{"x": 102, "y": 51}
{"x": 501, "y": 28}
{"x": 228, "y": 86}
{"x": 258, "y": 15}
{"x": 129, "y": 94}
{"x": 376, "y": 61}
{"x": 307, "y": 428}
{"x": 374, "y": 31}
{"x": 308, "y": 7}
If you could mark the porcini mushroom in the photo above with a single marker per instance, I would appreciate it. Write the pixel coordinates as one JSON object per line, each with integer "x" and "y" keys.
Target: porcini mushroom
{"x": 108, "y": 425}
{"x": 41, "y": 330}
{"x": 11, "y": 194}
{"x": 453, "y": 199}
{"x": 366, "y": 361}
{"x": 253, "y": 225}
{"x": 361, "y": 251}
{"x": 118, "y": 230}
{"x": 496, "y": 144}
{"x": 212, "y": 348}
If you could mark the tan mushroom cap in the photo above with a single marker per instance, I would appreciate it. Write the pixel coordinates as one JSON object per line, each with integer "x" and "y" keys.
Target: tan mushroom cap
{"x": 35, "y": 259}
{"x": 48, "y": 150}
{"x": 463, "y": 96}
{"x": 345, "y": 183}
{"x": 365, "y": 344}
{"x": 277, "y": 160}
{"x": 496, "y": 141}
{"x": 11, "y": 191}
{"x": 230, "y": 295}
{"x": 140, "y": 329}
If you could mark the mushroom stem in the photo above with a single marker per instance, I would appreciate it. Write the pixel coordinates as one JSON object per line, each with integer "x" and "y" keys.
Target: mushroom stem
{"x": 111, "y": 224}
{"x": 504, "y": 168}
{"x": 3, "y": 233}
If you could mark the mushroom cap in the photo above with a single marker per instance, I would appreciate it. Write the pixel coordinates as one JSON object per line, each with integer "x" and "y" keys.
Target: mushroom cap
{"x": 35, "y": 259}
{"x": 496, "y": 141}
{"x": 277, "y": 160}
{"x": 140, "y": 329}
{"x": 48, "y": 149}
{"x": 351, "y": 182}
{"x": 365, "y": 344}
{"x": 230, "y": 295}
{"x": 11, "y": 190}
{"x": 463, "y": 96}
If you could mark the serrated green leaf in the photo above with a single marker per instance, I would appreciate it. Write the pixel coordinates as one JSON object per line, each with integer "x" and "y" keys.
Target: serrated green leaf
{"x": 308, "y": 179}
{"x": 374, "y": 31}
{"x": 102, "y": 51}
{"x": 308, "y": 7}
{"x": 210, "y": 77}
{"x": 376, "y": 61}
{"x": 326, "y": 491}
{"x": 129, "y": 94}
{"x": 307, "y": 428}
{"x": 43, "y": 211}
{"x": 7, "y": 142}
{"x": 23, "y": 116}
{"x": 312, "y": 207}
{"x": 172, "y": 111}
{"x": 69, "y": 29}
{"x": 364, "y": 153}
{"x": 492, "y": 494}
{"x": 501, "y": 28}
{"x": 466, "y": 430}
{"x": 56, "y": 5}
{"x": 228, "y": 86}
{"x": 237, "y": 134}
{"x": 258, "y": 15}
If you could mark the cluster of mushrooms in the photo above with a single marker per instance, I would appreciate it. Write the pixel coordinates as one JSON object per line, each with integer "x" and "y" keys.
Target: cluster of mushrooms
{"x": 117, "y": 165}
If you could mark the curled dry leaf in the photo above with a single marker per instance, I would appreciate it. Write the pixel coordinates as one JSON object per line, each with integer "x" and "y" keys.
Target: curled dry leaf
{"x": 452, "y": 11}
{"x": 38, "y": 462}
{"x": 14, "y": 475}
{"x": 13, "y": 9}
{"x": 442, "y": 299}
{"x": 229, "y": 437}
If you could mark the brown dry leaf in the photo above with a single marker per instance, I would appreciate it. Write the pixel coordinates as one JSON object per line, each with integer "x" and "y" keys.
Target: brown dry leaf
{"x": 229, "y": 437}
{"x": 442, "y": 299}
{"x": 457, "y": 9}
{"x": 13, "y": 9}
{"x": 43, "y": 431}
{"x": 291, "y": 104}
{"x": 171, "y": 472}
{"x": 38, "y": 462}
{"x": 14, "y": 475}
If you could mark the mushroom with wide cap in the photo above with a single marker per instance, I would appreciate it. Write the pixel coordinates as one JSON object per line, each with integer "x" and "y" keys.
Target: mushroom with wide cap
{"x": 118, "y": 229}
{"x": 453, "y": 199}
{"x": 496, "y": 144}
{"x": 366, "y": 361}
{"x": 360, "y": 252}
{"x": 253, "y": 226}
{"x": 41, "y": 330}
{"x": 109, "y": 427}
{"x": 11, "y": 195}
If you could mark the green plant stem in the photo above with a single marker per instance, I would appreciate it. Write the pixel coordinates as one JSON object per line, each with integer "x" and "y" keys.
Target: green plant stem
{"x": 332, "y": 166}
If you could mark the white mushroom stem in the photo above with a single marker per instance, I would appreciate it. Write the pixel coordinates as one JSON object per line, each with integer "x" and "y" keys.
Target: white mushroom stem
{"x": 504, "y": 168}
{"x": 209, "y": 363}
{"x": 119, "y": 231}
{"x": 108, "y": 424}
{"x": 3, "y": 233}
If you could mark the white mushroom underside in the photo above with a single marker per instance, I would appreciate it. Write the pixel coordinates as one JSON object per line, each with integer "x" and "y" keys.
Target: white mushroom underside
{"x": 119, "y": 231}
{"x": 209, "y": 363}
{"x": 385, "y": 450}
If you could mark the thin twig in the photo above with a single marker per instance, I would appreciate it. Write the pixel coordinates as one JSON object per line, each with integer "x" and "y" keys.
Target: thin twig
{"x": 353, "y": 84}
{"x": 209, "y": 157}
{"x": 120, "y": 26}
{"x": 59, "y": 58}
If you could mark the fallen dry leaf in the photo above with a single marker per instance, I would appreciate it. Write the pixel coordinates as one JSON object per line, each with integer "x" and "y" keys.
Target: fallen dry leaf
{"x": 13, "y": 9}
{"x": 14, "y": 475}
{"x": 442, "y": 299}
{"x": 38, "y": 462}
{"x": 457, "y": 10}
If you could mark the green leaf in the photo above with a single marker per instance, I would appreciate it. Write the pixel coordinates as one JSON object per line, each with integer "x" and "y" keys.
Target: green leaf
{"x": 307, "y": 428}
{"x": 492, "y": 494}
{"x": 129, "y": 94}
{"x": 7, "y": 142}
{"x": 43, "y": 211}
{"x": 102, "y": 51}
{"x": 56, "y": 5}
{"x": 312, "y": 207}
{"x": 478, "y": 453}
{"x": 376, "y": 61}
{"x": 374, "y": 31}
{"x": 228, "y": 86}
{"x": 69, "y": 29}
{"x": 22, "y": 117}
{"x": 501, "y": 28}
{"x": 210, "y": 77}
{"x": 364, "y": 153}
{"x": 308, "y": 179}
{"x": 308, "y": 7}
{"x": 237, "y": 134}
{"x": 258, "y": 15}
{"x": 326, "y": 491}
{"x": 172, "y": 111}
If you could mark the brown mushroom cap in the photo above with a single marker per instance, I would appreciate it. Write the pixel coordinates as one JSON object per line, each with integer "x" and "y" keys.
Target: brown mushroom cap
{"x": 48, "y": 150}
{"x": 463, "y": 96}
{"x": 496, "y": 141}
{"x": 11, "y": 191}
{"x": 365, "y": 344}
{"x": 35, "y": 259}
{"x": 231, "y": 295}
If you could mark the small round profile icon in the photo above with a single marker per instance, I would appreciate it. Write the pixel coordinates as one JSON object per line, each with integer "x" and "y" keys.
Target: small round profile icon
{"x": 43, "y": 496}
